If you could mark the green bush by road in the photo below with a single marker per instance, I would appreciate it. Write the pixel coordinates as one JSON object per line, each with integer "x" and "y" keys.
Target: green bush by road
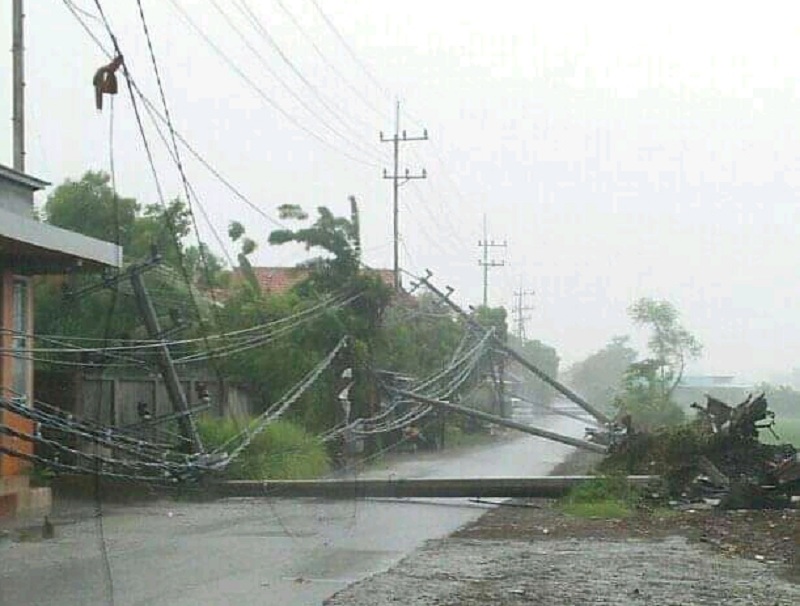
{"x": 283, "y": 451}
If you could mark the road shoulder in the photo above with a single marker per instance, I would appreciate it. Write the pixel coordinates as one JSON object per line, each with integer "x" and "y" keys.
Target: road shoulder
{"x": 533, "y": 552}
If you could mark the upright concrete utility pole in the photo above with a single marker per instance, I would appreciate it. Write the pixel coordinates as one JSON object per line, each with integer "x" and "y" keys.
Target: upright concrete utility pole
{"x": 396, "y": 178}
{"x": 486, "y": 263}
{"x": 519, "y": 310}
{"x": 18, "y": 77}
{"x": 166, "y": 366}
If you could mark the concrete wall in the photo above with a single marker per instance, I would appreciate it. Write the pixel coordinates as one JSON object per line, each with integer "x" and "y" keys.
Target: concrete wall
{"x": 16, "y": 199}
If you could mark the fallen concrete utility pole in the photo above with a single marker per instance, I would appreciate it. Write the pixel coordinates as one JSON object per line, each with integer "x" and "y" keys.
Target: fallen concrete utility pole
{"x": 164, "y": 358}
{"x": 535, "y": 487}
{"x": 559, "y": 387}
{"x": 542, "y": 433}
{"x": 554, "y": 410}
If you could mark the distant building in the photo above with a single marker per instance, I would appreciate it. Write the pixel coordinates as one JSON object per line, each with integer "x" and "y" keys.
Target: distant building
{"x": 694, "y": 388}
{"x": 278, "y": 280}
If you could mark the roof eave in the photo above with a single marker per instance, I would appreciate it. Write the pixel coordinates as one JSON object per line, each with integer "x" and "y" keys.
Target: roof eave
{"x": 23, "y": 179}
{"x": 75, "y": 247}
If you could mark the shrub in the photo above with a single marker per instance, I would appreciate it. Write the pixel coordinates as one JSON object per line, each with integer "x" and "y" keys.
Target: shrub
{"x": 283, "y": 451}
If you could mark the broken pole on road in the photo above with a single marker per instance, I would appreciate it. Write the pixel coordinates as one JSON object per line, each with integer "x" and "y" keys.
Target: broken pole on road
{"x": 550, "y": 487}
{"x": 535, "y": 431}
{"x": 512, "y": 353}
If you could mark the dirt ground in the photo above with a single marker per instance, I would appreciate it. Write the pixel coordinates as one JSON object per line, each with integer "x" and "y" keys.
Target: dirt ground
{"x": 532, "y": 553}
{"x": 768, "y": 536}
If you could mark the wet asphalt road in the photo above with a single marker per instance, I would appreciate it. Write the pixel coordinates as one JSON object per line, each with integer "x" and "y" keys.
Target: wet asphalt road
{"x": 256, "y": 551}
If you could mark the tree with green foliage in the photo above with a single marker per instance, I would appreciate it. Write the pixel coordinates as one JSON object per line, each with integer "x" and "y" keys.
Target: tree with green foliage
{"x": 670, "y": 344}
{"x": 418, "y": 336}
{"x": 599, "y": 377}
{"x": 338, "y": 271}
{"x": 545, "y": 358}
{"x": 492, "y": 395}
{"x": 90, "y": 206}
{"x": 338, "y": 236}
{"x": 650, "y": 383}
{"x": 248, "y": 247}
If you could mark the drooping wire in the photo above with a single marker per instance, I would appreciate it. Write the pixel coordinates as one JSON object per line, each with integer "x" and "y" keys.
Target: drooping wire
{"x": 336, "y": 300}
{"x": 266, "y": 98}
{"x": 155, "y": 114}
{"x": 252, "y": 429}
{"x": 202, "y": 251}
{"x": 108, "y": 573}
{"x": 258, "y": 25}
{"x": 259, "y": 28}
{"x": 154, "y": 172}
{"x": 331, "y": 65}
{"x": 194, "y": 195}
{"x": 349, "y": 49}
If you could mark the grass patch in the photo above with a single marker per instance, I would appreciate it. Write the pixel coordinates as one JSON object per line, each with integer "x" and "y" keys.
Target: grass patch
{"x": 602, "y": 497}
{"x": 788, "y": 430}
{"x": 283, "y": 451}
{"x": 606, "y": 509}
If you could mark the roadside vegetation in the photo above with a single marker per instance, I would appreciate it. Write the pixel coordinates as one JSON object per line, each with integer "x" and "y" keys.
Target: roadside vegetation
{"x": 415, "y": 335}
{"x": 603, "y": 497}
{"x": 197, "y": 293}
{"x": 640, "y": 389}
{"x": 283, "y": 451}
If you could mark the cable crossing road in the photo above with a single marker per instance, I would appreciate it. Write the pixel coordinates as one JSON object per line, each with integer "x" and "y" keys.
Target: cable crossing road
{"x": 258, "y": 550}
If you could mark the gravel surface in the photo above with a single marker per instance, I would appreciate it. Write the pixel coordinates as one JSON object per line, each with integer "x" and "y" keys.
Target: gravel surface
{"x": 533, "y": 553}
{"x": 572, "y": 571}
{"x": 770, "y": 536}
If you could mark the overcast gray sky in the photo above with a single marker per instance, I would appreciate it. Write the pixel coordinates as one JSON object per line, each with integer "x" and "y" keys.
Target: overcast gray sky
{"x": 621, "y": 149}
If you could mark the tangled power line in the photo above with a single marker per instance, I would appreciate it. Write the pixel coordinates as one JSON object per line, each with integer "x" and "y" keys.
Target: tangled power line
{"x": 121, "y": 452}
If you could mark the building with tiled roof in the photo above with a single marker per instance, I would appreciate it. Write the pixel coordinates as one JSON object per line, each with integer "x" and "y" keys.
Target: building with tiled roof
{"x": 278, "y": 280}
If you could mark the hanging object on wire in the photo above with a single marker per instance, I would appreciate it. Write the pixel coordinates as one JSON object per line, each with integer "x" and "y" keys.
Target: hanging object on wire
{"x": 105, "y": 81}
{"x": 344, "y": 395}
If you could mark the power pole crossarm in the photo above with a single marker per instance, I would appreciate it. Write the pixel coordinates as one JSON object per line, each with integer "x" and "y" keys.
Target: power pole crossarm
{"x": 485, "y": 263}
{"x": 397, "y": 181}
{"x": 519, "y": 310}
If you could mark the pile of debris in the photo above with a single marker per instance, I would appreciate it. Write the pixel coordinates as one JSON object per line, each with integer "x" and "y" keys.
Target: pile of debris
{"x": 718, "y": 458}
